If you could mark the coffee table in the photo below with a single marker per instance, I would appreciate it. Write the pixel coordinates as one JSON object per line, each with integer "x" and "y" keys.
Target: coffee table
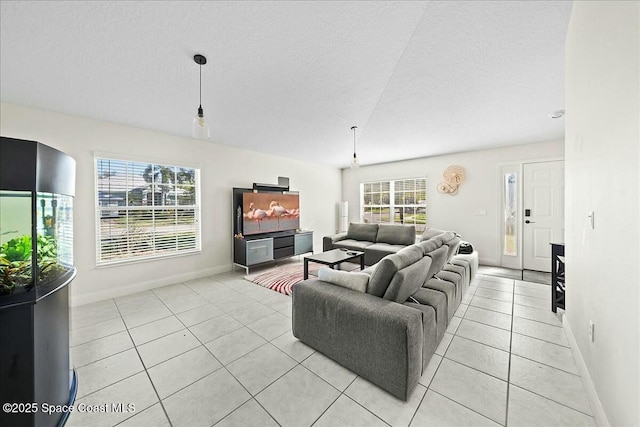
{"x": 333, "y": 258}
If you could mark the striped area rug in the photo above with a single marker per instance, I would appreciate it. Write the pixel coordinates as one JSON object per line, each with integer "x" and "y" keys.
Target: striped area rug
{"x": 282, "y": 278}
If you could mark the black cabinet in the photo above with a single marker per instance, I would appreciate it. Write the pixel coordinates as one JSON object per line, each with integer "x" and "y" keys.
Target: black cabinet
{"x": 283, "y": 247}
{"x": 37, "y": 185}
{"x": 250, "y": 252}
{"x": 557, "y": 277}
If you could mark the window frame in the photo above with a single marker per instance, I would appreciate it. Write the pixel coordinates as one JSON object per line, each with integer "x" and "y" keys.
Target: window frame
{"x": 153, "y": 209}
{"x": 510, "y": 217}
{"x": 510, "y": 261}
{"x": 393, "y": 205}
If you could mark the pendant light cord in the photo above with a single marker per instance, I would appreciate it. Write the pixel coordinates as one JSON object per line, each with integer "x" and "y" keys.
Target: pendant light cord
{"x": 199, "y": 119}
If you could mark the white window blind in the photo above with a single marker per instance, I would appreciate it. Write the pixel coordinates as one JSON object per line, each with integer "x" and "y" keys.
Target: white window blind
{"x": 401, "y": 201}
{"x": 145, "y": 210}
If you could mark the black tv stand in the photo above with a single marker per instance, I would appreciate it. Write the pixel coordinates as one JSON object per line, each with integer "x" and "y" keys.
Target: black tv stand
{"x": 262, "y": 249}
{"x": 275, "y": 234}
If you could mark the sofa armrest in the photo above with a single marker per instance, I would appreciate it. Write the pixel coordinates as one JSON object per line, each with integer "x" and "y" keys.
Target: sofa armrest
{"x": 378, "y": 339}
{"x": 328, "y": 241}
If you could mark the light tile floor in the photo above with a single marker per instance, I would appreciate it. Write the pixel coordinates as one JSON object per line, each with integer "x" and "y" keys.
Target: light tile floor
{"x": 219, "y": 351}
{"x": 528, "y": 275}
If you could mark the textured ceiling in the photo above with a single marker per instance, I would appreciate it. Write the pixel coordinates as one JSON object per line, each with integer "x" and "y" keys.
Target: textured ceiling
{"x": 291, "y": 78}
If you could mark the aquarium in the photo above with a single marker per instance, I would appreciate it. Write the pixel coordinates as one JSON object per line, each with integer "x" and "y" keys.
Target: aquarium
{"x": 36, "y": 222}
{"x": 37, "y": 184}
{"x": 27, "y": 262}
{"x": 16, "y": 247}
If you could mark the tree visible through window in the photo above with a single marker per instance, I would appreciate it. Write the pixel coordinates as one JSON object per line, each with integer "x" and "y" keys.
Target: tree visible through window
{"x": 145, "y": 210}
{"x": 402, "y": 201}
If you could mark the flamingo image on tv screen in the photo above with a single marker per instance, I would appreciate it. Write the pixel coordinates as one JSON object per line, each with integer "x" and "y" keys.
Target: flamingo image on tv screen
{"x": 269, "y": 212}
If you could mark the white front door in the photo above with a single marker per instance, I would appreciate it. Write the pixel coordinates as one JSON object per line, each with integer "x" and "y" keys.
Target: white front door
{"x": 543, "y": 218}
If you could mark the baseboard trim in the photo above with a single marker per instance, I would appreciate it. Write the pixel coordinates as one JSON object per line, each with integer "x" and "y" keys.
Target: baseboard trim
{"x": 144, "y": 286}
{"x": 596, "y": 406}
{"x": 489, "y": 262}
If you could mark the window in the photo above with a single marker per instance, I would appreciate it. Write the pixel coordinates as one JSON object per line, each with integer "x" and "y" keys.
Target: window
{"x": 402, "y": 201}
{"x": 510, "y": 209}
{"x": 145, "y": 210}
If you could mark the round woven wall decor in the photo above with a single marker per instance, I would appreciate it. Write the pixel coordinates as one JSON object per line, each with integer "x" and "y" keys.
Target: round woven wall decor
{"x": 454, "y": 175}
{"x": 446, "y": 188}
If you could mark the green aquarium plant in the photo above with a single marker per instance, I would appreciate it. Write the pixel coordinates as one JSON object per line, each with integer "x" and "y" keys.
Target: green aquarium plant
{"x": 18, "y": 249}
{"x": 13, "y": 274}
{"x": 15, "y": 262}
{"x": 47, "y": 258}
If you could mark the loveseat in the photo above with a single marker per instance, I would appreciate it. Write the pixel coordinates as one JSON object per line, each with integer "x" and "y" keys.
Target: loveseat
{"x": 375, "y": 240}
{"x": 388, "y": 333}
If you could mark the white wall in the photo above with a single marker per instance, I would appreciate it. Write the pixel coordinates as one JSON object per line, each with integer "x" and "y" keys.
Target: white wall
{"x": 481, "y": 190}
{"x": 602, "y": 149}
{"x": 222, "y": 168}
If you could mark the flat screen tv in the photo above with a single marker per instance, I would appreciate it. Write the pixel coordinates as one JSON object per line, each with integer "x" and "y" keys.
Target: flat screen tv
{"x": 270, "y": 212}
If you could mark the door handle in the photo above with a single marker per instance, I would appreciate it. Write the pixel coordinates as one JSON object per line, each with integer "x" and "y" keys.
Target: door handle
{"x": 529, "y": 222}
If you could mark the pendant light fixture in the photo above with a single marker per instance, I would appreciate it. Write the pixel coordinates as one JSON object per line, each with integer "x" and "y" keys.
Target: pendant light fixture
{"x": 354, "y": 161}
{"x": 200, "y": 128}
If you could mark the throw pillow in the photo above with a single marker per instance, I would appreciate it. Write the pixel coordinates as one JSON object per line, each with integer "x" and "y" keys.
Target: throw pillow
{"x": 355, "y": 281}
{"x": 370, "y": 270}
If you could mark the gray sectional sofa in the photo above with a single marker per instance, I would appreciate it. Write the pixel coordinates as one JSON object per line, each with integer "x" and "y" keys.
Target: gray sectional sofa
{"x": 375, "y": 240}
{"x": 388, "y": 333}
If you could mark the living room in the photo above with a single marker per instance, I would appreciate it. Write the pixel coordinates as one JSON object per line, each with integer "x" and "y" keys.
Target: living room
{"x": 598, "y": 178}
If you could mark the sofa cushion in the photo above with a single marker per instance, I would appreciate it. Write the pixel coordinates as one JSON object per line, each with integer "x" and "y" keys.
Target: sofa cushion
{"x": 377, "y": 251}
{"x": 460, "y": 271}
{"x": 365, "y": 232}
{"x": 451, "y": 240}
{"x": 438, "y": 301}
{"x": 430, "y": 233}
{"x": 411, "y": 252}
{"x": 407, "y": 281}
{"x": 448, "y": 289}
{"x": 429, "y": 245}
{"x": 464, "y": 265}
{"x": 453, "y": 245}
{"x": 446, "y": 237}
{"x": 389, "y": 265}
{"x": 369, "y": 270}
{"x": 471, "y": 259}
{"x": 356, "y": 245}
{"x": 456, "y": 280}
{"x": 439, "y": 259}
{"x": 396, "y": 234}
{"x": 356, "y": 281}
